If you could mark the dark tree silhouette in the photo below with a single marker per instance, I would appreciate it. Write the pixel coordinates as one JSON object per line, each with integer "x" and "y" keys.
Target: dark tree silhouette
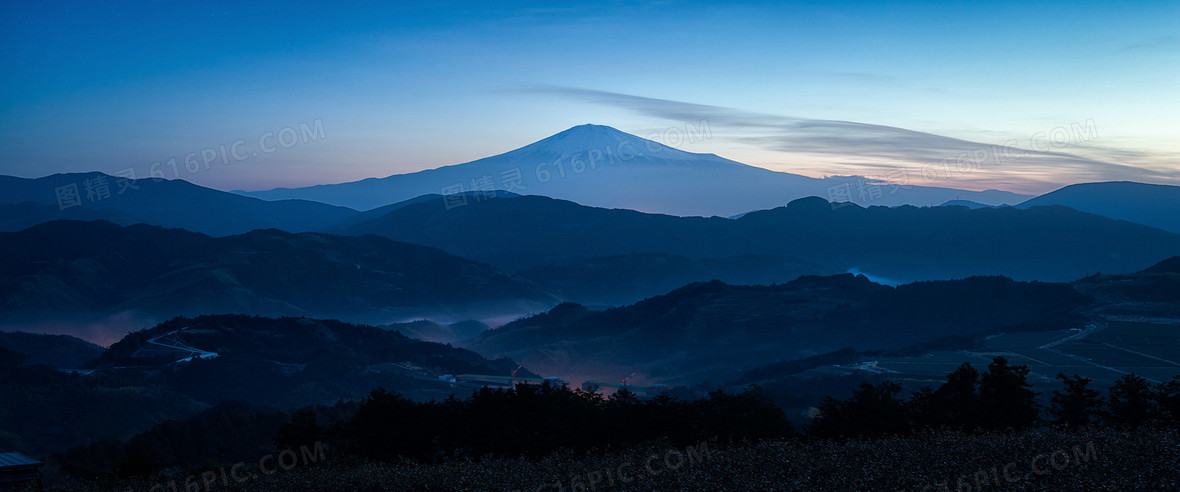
{"x": 536, "y": 420}
{"x": 954, "y": 404}
{"x": 1076, "y": 405}
{"x": 1132, "y": 402}
{"x": 740, "y": 416}
{"x": 832, "y": 420}
{"x": 385, "y": 426}
{"x": 920, "y": 406}
{"x": 1169, "y": 401}
{"x": 302, "y": 430}
{"x": 1006, "y": 399}
{"x": 870, "y": 411}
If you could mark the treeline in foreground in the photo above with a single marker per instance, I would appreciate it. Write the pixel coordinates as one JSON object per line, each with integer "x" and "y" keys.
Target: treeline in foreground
{"x": 532, "y": 425}
{"x": 527, "y": 421}
{"x": 998, "y": 399}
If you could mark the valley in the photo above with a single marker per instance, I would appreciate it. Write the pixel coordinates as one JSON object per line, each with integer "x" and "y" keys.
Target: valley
{"x": 584, "y": 246}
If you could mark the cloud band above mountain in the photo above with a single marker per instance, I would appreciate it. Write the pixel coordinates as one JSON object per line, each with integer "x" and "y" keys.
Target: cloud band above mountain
{"x": 833, "y": 147}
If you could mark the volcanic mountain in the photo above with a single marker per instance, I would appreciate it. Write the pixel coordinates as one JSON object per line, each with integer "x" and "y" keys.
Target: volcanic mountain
{"x": 600, "y": 166}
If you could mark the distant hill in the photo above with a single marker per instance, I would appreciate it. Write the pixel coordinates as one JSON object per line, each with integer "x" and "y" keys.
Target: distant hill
{"x": 20, "y": 216}
{"x": 713, "y": 331}
{"x": 910, "y": 243}
{"x": 434, "y": 199}
{"x": 290, "y": 362}
{"x": 1153, "y": 292}
{"x": 600, "y": 166}
{"x": 899, "y": 243}
{"x": 1130, "y": 328}
{"x": 46, "y": 410}
{"x": 67, "y": 268}
{"x": 1170, "y": 265}
{"x": 61, "y": 351}
{"x": 180, "y": 367}
{"x": 534, "y": 230}
{"x": 430, "y": 331}
{"x": 625, "y": 278}
{"x": 169, "y": 203}
{"x": 966, "y": 203}
{"x": 1148, "y": 204}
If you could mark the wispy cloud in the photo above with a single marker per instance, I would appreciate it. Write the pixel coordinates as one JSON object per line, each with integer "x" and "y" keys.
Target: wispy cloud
{"x": 847, "y": 147}
{"x": 1164, "y": 43}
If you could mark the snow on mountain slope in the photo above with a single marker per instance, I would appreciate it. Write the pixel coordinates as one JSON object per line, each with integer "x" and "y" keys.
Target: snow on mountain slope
{"x": 600, "y": 166}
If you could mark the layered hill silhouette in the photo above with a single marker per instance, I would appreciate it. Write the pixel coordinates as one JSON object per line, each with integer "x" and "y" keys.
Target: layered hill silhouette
{"x": 899, "y": 243}
{"x": 291, "y": 361}
{"x": 574, "y": 252}
{"x": 1130, "y": 314}
{"x": 600, "y": 166}
{"x": 1153, "y": 292}
{"x": 712, "y": 331}
{"x": 1149, "y": 204}
{"x": 967, "y": 203}
{"x": 625, "y": 278}
{"x": 68, "y": 268}
{"x": 60, "y": 351}
{"x": 430, "y": 331}
{"x": 149, "y": 376}
{"x": 169, "y": 203}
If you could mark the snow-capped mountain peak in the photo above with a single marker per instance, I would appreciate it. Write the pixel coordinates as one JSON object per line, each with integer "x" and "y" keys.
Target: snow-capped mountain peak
{"x": 600, "y": 141}
{"x": 601, "y": 166}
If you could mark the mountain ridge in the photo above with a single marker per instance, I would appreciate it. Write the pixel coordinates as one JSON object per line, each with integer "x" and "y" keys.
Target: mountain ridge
{"x": 906, "y": 243}
{"x": 162, "y": 202}
{"x": 601, "y": 166}
{"x": 1153, "y": 205}
{"x": 703, "y": 330}
{"x": 159, "y": 273}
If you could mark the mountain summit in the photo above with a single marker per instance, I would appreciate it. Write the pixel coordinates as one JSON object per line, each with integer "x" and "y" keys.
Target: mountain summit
{"x": 603, "y": 142}
{"x": 600, "y": 166}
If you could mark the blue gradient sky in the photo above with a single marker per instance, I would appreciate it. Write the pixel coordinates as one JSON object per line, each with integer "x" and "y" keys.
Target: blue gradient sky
{"x": 410, "y": 87}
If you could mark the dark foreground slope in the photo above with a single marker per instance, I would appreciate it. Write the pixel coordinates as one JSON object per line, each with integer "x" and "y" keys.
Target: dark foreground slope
{"x": 1092, "y": 459}
{"x": 185, "y": 365}
{"x": 44, "y": 410}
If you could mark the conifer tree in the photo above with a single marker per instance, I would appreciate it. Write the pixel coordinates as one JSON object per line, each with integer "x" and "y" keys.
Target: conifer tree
{"x": 1132, "y": 402}
{"x": 1006, "y": 398}
{"x": 1076, "y": 405}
